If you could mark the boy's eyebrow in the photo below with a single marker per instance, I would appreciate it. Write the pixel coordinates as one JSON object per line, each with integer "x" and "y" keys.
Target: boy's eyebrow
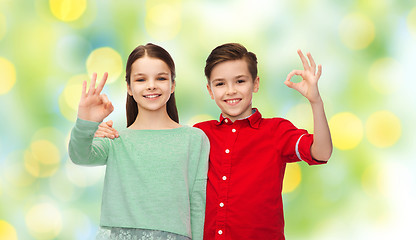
{"x": 241, "y": 75}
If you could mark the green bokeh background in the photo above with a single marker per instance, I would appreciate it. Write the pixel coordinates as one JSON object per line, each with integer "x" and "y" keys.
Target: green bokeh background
{"x": 367, "y": 49}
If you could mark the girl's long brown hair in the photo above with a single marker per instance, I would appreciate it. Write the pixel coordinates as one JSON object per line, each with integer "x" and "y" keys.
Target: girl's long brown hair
{"x": 153, "y": 51}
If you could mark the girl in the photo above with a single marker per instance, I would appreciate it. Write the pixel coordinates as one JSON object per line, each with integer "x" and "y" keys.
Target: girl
{"x": 156, "y": 172}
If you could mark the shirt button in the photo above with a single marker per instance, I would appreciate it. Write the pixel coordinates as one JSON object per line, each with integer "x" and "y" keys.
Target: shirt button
{"x": 224, "y": 178}
{"x": 226, "y": 120}
{"x": 233, "y": 130}
{"x": 227, "y": 150}
{"x": 219, "y": 232}
{"x": 221, "y": 204}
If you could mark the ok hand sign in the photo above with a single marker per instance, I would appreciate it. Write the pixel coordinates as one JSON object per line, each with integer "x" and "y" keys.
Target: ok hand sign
{"x": 308, "y": 87}
{"x": 94, "y": 106}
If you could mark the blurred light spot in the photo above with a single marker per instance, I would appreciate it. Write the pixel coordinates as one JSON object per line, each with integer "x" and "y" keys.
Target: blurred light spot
{"x": 13, "y": 171}
{"x": 71, "y": 52}
{"x": 42, "y": 159}
{"x": 81, "y": 226}
{"x": 163, "y": 21}
{"x": 292, "y": 177}
{"x": 7, "y": 231}
{"x": 199, "y": 118}
{"x": 103, "y": 60}
{"x": 357, "y": 31}
{"x": 383, "y": 129}
{"x": 411, "y": 22}
{"x": 63, "y": 189}
{"x": 7, "y": 76}
{"x": 2, "y": 26}
{"x": 83, "y": 176}
{"x": 301, "y": 116}
{"x": 346, "y": 130}
{"x": 67, "y": 10}
{"x": 373, "y": 180}
{"x": 44, "y": 221}
{"x": 385, "y": 75}
{"x": 70, "y": 97}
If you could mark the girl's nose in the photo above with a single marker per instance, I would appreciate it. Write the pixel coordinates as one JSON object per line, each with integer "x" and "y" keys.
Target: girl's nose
{"x": 150, "y": 85}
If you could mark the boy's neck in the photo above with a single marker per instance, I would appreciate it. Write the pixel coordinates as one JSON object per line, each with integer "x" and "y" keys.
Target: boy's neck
{"x": 153, "y": 120}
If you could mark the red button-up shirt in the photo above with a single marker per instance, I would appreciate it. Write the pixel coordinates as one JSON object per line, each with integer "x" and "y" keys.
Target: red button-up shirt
{"x": 245, "y": 176}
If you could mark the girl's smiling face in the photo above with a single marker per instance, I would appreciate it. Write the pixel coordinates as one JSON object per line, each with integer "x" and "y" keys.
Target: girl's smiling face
{"x": 150, "y": 84}
{"x": 232, "y": 87}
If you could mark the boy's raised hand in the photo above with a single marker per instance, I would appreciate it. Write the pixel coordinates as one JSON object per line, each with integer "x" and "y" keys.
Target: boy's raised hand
{"x": 308, "y": 87}
{"x": 93, "y": 105}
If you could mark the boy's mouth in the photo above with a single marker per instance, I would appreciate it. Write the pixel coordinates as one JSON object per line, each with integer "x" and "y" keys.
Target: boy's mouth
{"x": 152, "y": 96}
{"x": 233, "y": 101}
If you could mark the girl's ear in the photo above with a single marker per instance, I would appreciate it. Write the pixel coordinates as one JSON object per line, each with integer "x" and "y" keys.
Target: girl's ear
{"x": 129, "y": 90}
{"x": 256, "y": 84}
{"x": 173, "y": 87}
{"x": 210, "y": 91}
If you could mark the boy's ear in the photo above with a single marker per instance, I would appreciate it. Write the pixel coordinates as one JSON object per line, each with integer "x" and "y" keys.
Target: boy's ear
{"x": 210, "y": 91}
{"x": 129, "y": 90}
{"x": 256, "y": 84}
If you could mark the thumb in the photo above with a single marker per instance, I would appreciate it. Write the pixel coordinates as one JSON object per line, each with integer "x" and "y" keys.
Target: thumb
{"x": 289, "y": 84}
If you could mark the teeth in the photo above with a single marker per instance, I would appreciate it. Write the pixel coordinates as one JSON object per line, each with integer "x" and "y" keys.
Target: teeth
{"x": 233, "y": 101}
{"x": 151, "y": 96}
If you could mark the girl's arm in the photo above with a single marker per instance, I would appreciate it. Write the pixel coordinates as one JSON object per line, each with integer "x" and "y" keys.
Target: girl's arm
{"x": 321, "y": 148}
{"x": 92, "y": 109}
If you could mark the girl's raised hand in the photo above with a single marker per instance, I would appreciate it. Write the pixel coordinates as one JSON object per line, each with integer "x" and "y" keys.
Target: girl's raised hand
{"x": 93, "y": 105}
{"x": 308, "y": 87}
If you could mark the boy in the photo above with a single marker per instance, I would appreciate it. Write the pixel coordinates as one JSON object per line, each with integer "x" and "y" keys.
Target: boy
{"x": 249, "y": 153}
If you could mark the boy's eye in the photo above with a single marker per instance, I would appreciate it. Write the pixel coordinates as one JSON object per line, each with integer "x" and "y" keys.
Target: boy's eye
{"x": 240, "y": 81}
{"x": 140, "y": 80}
{"x": 162, "y": 78}
{"x": 219, "y": 84}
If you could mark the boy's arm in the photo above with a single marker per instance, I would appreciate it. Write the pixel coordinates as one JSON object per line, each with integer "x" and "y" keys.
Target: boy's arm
{"x": 321, "y": 148}
{"x": 198, "y": 191}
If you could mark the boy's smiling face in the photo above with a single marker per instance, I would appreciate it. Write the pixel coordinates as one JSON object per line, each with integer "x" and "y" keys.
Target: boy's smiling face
{"x": 231, "y": 86}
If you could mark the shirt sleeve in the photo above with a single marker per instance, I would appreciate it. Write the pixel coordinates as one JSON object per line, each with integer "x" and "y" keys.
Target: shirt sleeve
{"x": 296, "y": 143}
{"x": 83, "y": 149}
{"x": 198, "y": 190}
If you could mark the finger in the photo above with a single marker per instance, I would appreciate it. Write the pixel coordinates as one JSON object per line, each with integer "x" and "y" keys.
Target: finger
{"x": 303, "y": 59}
{"x": 293, "y": 73}
{"x": 109, "y": 123}
{"x": 318, "y": 74}
{"x": 84, "y": 89}
{"x": 104, "y": 134}
{"x": 313, "y": 65}
{"x": 289, "y": 84}
{"x": 102, "y": 83}
{"x": 92, "y": 84}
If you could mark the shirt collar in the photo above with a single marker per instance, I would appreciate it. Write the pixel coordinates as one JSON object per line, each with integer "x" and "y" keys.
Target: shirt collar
{"x": 253, "y": 119}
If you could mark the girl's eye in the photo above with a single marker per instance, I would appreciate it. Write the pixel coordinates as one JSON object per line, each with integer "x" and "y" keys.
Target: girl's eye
{"x": 140, "y": 80}
{"x": 240, "y": 81}
{"x": 219, "y": 84}
{"x": 162, "y": 79}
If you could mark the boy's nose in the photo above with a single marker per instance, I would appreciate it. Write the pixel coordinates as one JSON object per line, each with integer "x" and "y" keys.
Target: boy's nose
{"x": 231, "y": 89}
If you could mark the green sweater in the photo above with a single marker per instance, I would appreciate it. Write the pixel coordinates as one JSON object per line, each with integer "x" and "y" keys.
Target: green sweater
{"x": 155, "y": 179}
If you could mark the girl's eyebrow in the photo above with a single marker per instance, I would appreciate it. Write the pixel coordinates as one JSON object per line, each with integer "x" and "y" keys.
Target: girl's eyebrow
{"x": 142, "y": 74}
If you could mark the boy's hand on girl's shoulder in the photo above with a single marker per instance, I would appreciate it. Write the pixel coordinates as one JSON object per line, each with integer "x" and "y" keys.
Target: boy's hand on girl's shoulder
{"x": 106, "y": 130}
{"x": 308, "y": 87}
{"x": 93, "y": 105}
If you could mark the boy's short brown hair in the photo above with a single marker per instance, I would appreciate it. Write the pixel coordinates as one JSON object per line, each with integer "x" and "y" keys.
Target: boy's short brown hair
{"x": 228, "y": 52}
